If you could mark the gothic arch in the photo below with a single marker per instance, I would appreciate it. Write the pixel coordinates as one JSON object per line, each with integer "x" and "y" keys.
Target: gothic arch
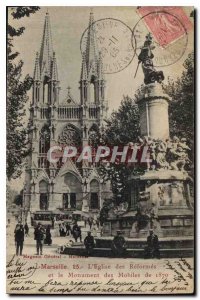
{"x": 44, "y": 145}
{"x": 94, "y": 194}
{"x": 44, "y": 194}
{"x": 93, "y": 135}
{"x": 73, "y": 190}
{"x": 70, "y": 135}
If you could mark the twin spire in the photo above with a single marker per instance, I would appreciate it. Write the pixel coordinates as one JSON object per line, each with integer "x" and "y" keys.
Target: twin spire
{"x": 45, "y": 62}
{"x": 91, "y": 57}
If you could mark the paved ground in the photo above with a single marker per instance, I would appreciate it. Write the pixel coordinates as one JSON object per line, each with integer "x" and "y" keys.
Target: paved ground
{"x": 76, "y": 274}
{"x": 30, "y": 244}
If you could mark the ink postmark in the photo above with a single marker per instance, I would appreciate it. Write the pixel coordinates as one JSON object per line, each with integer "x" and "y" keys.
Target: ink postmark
{"x": 169, "y": 32}
{"x": 114, "y": 41}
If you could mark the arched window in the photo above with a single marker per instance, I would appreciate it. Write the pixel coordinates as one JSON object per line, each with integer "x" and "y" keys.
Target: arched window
{"x": 73, "y": 190}
{"x": 94, "y": 194}
{"x": 94, "y": 135}
{"x": 70, "y": 136}
{"x": 92, "y": 87}
{"x": 44, "y": 195}
{"x": 44, "y": 145}
{"x": 45, "y": 90}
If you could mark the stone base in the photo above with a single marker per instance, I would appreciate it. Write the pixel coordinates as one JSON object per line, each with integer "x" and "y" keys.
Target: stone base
{"x": 169, "y": 248}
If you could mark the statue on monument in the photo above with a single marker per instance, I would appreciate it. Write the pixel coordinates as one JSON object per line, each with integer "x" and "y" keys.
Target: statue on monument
{"x": 145, "y": 57}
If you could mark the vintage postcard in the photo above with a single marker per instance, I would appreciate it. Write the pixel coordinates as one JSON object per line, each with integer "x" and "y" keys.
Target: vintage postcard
{"x": 100, "y": 150}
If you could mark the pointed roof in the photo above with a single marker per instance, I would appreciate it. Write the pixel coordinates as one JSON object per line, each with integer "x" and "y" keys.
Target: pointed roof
{"x": 70, "y": 167}
{"x": 36, "y": 75}
{"x": 100, "y": 67}
{"x": 94, "y": 175}
{"x": 69, "y": 100}
{"x": 54, "y": 70}
{"x": 91, "y": 51}
{"x": 42, "y": 175}
{"x": 46, "y": 51}
{"x": 83, "y": 68}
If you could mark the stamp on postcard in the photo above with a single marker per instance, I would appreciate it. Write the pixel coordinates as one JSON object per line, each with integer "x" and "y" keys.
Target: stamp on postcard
{"x": 169, "y": 29}
{"x": 114, "y": 41}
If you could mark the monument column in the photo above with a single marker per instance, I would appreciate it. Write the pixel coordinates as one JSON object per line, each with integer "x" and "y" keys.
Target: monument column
{"x": 153, "y": 107}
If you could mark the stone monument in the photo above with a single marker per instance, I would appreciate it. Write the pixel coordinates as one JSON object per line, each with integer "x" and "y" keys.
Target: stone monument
{"x": 161, "y": 198}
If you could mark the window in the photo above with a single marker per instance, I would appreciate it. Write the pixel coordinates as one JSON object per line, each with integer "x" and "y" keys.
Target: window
{"x": 94, "y": 202}
{"x": 69, "y": 200}
{"x": 43, "y": 189}
{"x": 94, "y": 194}
{"x": 65, "y": 201}
{"x": 73, "y": 200}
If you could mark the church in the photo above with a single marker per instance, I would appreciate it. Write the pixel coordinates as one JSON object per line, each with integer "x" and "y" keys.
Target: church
{"x": 70, "y": 185}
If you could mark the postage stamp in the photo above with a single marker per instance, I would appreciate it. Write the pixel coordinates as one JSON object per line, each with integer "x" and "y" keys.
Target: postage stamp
{"x": 167, "y": 24}
{"x": 169, "y": 30}
{"x": 114, "y": 41}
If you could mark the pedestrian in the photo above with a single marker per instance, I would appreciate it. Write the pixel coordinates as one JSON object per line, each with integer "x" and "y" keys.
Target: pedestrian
{"x": 90, "y": 221}
{"x": 62, "y": 230}
{"x": 119, "y": 245}
{"x": 39, "y": 237}
{"x": 152, "y": 249}
{"x": 89, "y": 243}
{"x": 26, "y": 228}
{"x": 48, "y": 239}
{"x": 19, "y": 239}
{"x": 76, "y": 231}
{"x": 98, "y": 223}
{"x": 53, "y": 221}
{"x": 68, "y": 229}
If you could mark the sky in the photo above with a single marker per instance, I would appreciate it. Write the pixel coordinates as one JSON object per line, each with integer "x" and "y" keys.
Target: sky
{"x": 67, "y": 27}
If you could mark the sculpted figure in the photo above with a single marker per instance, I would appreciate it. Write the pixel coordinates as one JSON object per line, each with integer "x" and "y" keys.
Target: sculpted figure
{"x": 145, "y": 57}
{"x": 161, "y": 155}
{"x": 181, "y": 158}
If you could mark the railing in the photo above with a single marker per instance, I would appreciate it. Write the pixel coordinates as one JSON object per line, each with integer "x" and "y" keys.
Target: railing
{"x": 43, "y": 161}
{"x": 44, "y": 112}
{"x": 93, "y": 112}
{"x": 69, "y": 112}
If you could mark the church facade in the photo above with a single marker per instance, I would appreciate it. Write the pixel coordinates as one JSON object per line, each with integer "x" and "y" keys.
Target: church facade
{"x": 66, "y": 185}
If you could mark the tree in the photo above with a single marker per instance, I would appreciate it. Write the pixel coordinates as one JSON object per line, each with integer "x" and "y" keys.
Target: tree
{"x": 123, "y": 124}
{"x": 181, "y": 108}
{"x": 18, "y": 200}
{"x": 122, "y": 128}
{"x": 17, "y": 138}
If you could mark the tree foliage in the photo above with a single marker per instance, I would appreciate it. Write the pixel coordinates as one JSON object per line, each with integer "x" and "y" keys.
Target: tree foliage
{"x": 17, "y": 143}
{"x": 181, "y": 108}
{"x": 122, "y": 128}
{"x": 123, "y": 124}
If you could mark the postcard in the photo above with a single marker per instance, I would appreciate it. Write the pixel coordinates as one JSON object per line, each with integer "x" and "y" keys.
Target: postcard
{"x": 100, "y": 150}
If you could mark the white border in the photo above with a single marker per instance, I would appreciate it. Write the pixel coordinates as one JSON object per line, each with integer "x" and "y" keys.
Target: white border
{"x": 3, "y": 5}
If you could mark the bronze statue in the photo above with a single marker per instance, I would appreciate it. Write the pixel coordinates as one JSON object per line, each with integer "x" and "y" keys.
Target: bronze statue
{"x": 145, "y": 57}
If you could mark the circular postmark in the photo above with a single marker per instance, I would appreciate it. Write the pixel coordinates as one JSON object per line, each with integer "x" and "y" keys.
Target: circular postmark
{"x": 114, "y": 40}
{"x": 169, "y": 35}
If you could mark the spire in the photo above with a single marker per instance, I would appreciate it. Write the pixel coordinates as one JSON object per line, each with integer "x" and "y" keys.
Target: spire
{"x": 100, "y": 67}
{"x": 46, "y": 51}
{"x": 54, "y": 71}
{"x": 91, "y": 47}
{"x": 36, "y": 75}
{"x": 83, "y": 68}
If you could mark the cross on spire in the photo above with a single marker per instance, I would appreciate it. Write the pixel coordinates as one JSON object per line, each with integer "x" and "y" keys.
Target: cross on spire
{"x": 68, "y": 90}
